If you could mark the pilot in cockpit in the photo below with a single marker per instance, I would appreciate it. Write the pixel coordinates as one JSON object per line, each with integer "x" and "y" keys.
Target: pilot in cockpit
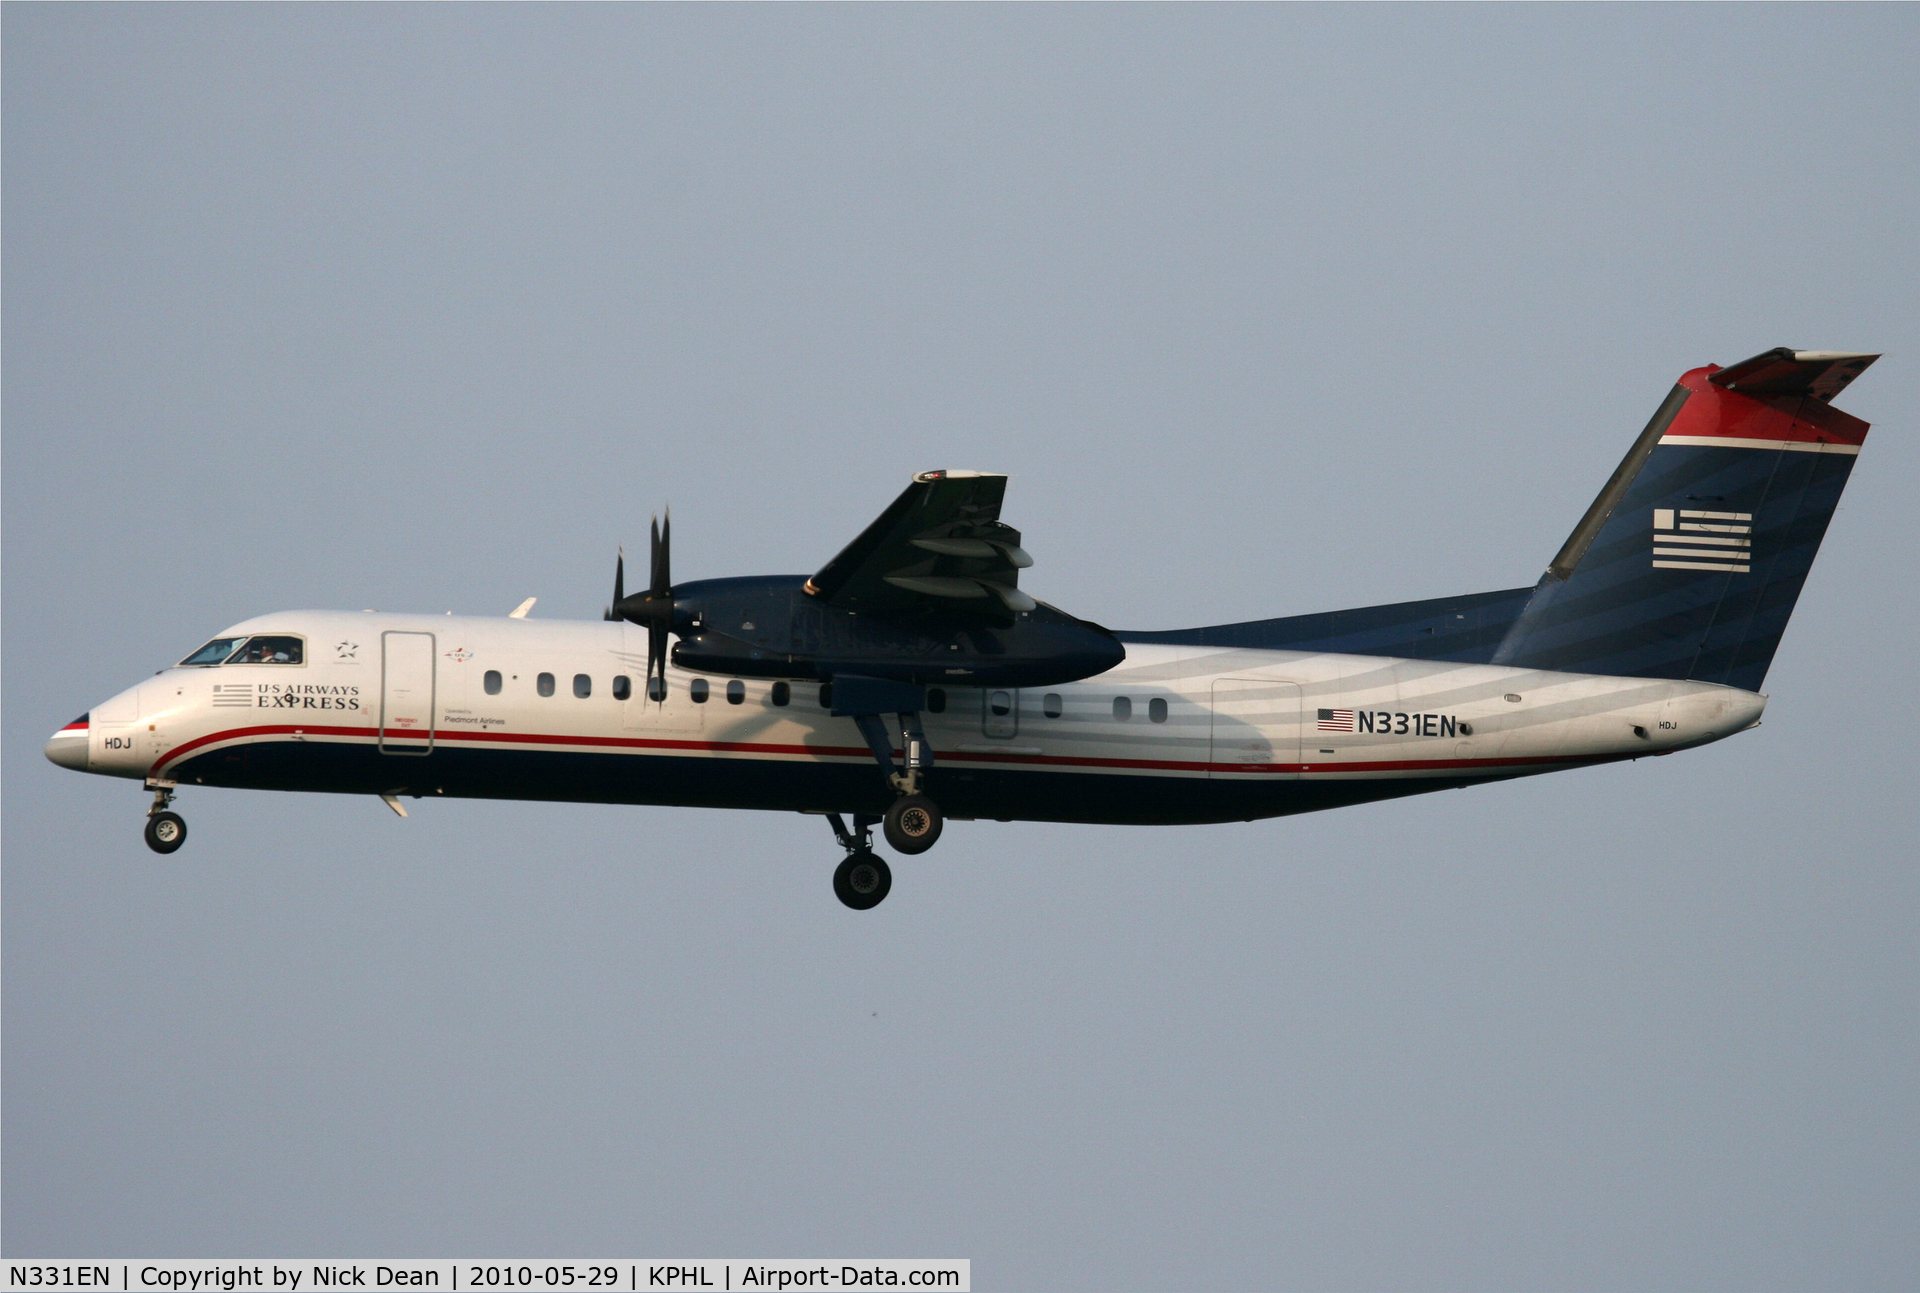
{"x": 269, "y": 650}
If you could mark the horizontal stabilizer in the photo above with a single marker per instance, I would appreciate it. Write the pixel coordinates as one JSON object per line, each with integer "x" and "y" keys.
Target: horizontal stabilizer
{"x": 1818, "y": 374}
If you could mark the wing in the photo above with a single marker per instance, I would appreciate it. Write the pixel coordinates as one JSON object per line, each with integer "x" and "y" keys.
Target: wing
{"x": 940, "y": 545}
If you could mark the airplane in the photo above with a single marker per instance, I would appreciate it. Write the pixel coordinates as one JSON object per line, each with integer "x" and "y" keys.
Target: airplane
{"x": 910, "y": 680}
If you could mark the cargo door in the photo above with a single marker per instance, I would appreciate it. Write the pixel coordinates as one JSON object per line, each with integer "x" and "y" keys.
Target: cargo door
{"x": 406, "y": 693}
{"x": 1256, "y": 727}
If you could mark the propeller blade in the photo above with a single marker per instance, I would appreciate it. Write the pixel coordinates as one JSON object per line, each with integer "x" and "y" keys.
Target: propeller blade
{"x": 652, "y": 608}
{"x": 662, "y": 583}
{"x": 656, "y": 660}
{"x": 619, "y": 582}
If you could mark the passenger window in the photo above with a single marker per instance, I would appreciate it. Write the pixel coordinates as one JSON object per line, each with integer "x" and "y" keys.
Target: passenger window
{"x": 1157, "y": 710}
{"x": 492, "y": 682}
{"x": 1000, "y": 704}
{"x": 544, "y": 684}
{"x": 697, "y": 691}
{"x": 1122, "y": 708}
{"x": 736, "y": 692}
{"x": 269, "y": 650}
{"x": 1050, "y": 705}
{"x": 214, "y": 652}
{"x": 656, "y": 689}
{"x": 582, "y": 685}
{"x": 622, "y": 686}
{"x": 936, "y": 700}
{"x": 826, "y": 695}
{"x": 781, "y": 693}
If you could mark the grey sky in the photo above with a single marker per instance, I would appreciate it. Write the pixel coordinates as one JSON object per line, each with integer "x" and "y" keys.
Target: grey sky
{"x": 1265, "y": 310}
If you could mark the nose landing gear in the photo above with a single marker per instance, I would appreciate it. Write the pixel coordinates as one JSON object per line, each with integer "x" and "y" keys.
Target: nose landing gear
{"x": 166, "y": 831}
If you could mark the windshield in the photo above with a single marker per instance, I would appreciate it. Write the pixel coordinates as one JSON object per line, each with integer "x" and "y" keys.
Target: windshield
{"x": 264, "y": 649}
{"x": 268, "y": 650}
{"x": 213, "y": 652}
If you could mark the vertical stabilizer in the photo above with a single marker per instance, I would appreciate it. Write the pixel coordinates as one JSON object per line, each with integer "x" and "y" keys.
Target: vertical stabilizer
{"x": 1689, "y": 562}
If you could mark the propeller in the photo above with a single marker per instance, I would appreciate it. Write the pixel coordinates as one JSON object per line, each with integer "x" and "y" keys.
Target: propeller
{"x": 619, "y": 584}
{"x": 653, "y": 608}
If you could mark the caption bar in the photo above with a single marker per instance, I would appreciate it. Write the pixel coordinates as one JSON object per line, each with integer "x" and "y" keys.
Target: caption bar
{"x": 780, "y": 1275}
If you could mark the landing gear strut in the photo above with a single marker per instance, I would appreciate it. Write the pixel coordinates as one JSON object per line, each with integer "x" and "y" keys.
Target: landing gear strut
{"x": 913, "y": 822}
{"x": 166, "y": 831}
{"x": 863, "y": 880}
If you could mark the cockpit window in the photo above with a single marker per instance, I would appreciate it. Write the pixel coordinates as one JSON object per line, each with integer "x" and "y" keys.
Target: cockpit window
{"x": 268, "y": 650}
{"x": 214, "y": 652}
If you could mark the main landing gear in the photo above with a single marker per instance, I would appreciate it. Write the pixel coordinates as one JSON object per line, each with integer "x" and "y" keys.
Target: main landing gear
{"x": 862, "y": 881}
{"x": 166, "y": 831}
{"x": 912, "y": 822}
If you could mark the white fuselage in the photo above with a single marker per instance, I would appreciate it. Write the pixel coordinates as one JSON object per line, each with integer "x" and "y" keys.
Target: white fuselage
{"x": 522, "y": 708}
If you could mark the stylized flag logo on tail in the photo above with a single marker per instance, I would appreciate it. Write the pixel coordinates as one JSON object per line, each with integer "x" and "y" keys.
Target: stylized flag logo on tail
{"x": 1336, "y": 720}
{"x": 1702, "y": 540}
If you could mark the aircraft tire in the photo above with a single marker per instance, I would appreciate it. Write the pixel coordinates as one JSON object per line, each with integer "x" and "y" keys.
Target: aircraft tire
{"x": 912, "y": 824}
{"x": 862, "y": 881}
{"x": 166, "y": 832}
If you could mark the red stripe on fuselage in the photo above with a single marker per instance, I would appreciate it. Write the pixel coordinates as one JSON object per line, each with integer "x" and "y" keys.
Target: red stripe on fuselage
{"x": 859, "y": 752}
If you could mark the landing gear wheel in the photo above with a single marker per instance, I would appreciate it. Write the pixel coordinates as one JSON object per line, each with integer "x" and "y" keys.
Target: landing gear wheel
{"x": 166, "y": 832}
{"x": 862, "y": 881}
{"x": 912, "y": 824}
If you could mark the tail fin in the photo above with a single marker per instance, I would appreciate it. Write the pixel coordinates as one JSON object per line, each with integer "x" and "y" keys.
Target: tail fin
{"x": 1689, "y": 562}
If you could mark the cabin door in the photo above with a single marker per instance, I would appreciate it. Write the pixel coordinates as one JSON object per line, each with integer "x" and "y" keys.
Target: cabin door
{"x": 406, "y": 693}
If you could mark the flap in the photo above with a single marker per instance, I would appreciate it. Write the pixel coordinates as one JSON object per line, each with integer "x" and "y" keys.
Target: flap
{"x": 941, "y": 543}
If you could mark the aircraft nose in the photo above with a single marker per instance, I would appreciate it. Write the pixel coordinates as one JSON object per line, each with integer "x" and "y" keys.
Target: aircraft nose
{"x": 68, "y": 746}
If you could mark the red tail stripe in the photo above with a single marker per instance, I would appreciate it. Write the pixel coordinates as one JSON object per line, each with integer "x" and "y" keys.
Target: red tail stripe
{"x": 1716, "y": 411}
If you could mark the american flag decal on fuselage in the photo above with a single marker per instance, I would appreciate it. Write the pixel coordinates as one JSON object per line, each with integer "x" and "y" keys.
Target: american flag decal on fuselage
{"x": 1336, "y": 720}
{"x": 1702, "y": 540}
{"x": 236, "y": 694}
